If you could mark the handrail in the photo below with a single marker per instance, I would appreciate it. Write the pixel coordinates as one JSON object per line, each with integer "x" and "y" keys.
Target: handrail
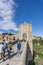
{"x": 23, "y": 56}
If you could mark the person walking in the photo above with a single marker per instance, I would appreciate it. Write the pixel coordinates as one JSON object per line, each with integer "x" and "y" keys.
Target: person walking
{"x": 1, "y": 51}
{"x": 9, "y": 48}
{"x": 4, "y": 46}
{"x": 18, "y": 48}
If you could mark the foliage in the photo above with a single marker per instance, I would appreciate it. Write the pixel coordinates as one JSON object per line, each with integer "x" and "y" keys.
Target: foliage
{"x": 40, "y": 41}
{"x": 39, "y": 54}
{"x": 32, "y": 63}
{"x": 38, "y": 48}
{"x": 35, "y": 41}
{"x": 10, "y": 33}
{"x": 7, "y": 33}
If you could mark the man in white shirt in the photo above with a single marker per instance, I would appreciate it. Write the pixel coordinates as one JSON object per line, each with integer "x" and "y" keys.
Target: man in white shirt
{"x": 1, "y": 46}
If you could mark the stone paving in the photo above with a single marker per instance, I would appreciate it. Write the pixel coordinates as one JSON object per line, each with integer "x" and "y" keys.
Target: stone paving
{"x": 15, "y": 59}
{"x": 40, "y": 62}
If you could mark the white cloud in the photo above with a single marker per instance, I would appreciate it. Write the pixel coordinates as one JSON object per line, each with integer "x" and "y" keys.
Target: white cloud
{"x": 8, "y": 26}
{"x": 6, "y": 13}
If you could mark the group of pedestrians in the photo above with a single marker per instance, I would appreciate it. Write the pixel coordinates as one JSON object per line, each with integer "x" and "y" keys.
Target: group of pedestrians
{"x": 8, "y": 47}
{"x": 3, "y": 48}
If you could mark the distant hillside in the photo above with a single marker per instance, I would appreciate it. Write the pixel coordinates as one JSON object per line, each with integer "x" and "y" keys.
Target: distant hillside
{"x": 8, "y": 33}
{"x": 37, "y": 37}
{"x": 37, "y": 40}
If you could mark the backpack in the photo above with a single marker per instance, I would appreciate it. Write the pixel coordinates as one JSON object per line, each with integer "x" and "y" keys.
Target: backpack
{"x": 19, "y": 46}
{"x": 4, "y": 45}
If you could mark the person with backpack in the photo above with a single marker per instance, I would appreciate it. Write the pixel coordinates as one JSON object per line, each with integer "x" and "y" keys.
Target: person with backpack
{"x": 4, "y": 46}
{"x": 18, "y": 47}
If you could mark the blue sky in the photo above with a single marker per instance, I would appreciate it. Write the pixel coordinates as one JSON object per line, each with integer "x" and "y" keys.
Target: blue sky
{"x": 30, "y": 11}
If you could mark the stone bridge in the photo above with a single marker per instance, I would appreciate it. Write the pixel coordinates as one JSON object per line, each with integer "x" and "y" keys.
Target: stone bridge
{"x": 15, "y": 59}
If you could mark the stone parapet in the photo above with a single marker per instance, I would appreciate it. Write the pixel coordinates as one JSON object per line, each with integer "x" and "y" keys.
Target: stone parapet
{"x": 23, "y": 56}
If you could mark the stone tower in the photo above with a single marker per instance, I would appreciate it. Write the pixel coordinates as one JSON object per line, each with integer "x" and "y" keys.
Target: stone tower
{"x": 26, "y": 30}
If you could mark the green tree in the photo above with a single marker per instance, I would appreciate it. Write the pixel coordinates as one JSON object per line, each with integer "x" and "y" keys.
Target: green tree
{"x": 40, "y": 41}
{"x": 35, "y": 41}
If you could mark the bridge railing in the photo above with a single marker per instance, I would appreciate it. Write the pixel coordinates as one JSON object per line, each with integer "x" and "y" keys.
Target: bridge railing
{"x": 23, "y": 55}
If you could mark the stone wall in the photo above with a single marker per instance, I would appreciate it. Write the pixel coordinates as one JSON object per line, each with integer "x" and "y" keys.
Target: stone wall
{"x": 26, "y": 28}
